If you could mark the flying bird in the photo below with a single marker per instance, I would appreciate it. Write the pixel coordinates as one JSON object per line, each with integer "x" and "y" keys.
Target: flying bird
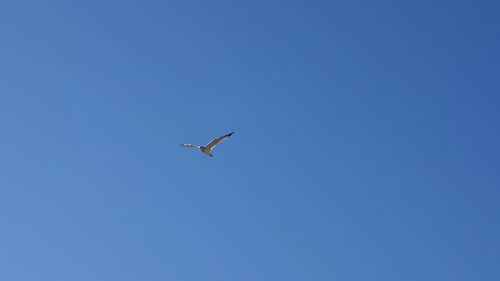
{"x": 208, "y": 148}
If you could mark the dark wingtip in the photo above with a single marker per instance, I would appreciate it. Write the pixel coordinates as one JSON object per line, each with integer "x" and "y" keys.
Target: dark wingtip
{"x": 230, "y": 134}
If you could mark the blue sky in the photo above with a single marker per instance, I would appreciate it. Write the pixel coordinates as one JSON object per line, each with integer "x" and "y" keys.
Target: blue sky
{"x": 366, "y": 141}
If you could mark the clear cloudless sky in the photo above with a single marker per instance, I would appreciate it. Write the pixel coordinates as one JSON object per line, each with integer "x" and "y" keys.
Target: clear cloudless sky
{"x": 366, "y": 142}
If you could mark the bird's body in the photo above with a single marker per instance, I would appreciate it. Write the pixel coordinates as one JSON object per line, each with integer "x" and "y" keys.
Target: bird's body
{"x": 208, "y": 148}
{"x": 206, "y": 151}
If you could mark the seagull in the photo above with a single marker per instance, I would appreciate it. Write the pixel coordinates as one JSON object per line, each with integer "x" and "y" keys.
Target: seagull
{"x": 207, "y": 149}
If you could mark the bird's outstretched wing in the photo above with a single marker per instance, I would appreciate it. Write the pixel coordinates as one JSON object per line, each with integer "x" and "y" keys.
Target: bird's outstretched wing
{"x": 190, "y": 145}
{"x": 216, "y": 141}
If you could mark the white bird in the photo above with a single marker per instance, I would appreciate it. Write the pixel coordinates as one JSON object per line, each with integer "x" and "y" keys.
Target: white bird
{"x": 207, "y": 149}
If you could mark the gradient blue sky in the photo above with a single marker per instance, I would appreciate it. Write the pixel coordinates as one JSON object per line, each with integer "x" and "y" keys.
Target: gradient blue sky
{"x": 366, "y": 141}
